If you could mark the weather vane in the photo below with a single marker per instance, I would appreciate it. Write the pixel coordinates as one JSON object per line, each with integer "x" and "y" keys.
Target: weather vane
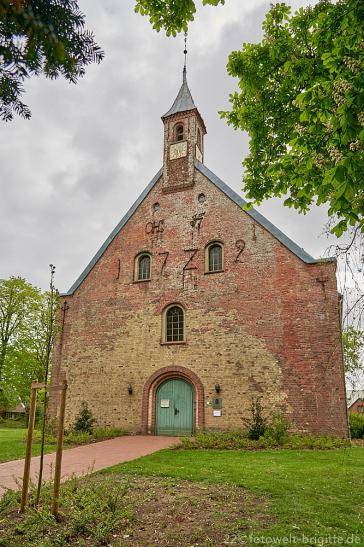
{"x": 185, "y": 50}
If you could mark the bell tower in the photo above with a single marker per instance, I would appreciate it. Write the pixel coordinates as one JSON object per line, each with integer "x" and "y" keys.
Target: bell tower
{"x": 184, "y": 132}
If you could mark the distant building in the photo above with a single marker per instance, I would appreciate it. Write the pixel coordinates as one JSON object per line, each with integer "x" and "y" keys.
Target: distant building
{"x": 356, "y": 401}
{"x": 16, "y": 411}
{"x": 194, "y": 306}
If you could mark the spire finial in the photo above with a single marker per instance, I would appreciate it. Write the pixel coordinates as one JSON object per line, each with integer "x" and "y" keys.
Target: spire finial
{"x": 185, "y": 65}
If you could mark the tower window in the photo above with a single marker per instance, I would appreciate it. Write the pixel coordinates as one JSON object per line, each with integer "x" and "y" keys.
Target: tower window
{"x": 214, "y": 257}
{"x": 174, "y": 324}
{"x": 199, "y": 140}
{"x": 179, "y": 132}
{"x": 143, "y": 267}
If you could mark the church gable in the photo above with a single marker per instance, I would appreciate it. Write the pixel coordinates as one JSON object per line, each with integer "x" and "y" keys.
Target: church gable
{"x": 196, "y": 210}
{"x": 183, "y": 154}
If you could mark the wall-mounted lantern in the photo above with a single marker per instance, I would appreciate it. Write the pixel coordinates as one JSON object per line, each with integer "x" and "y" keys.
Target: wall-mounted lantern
{"x": 130, "y": 389}
{"x": 217, "y": 388}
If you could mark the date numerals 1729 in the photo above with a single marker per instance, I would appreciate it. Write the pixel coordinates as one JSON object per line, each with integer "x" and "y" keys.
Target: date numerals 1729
{"x": 239, "y": 245}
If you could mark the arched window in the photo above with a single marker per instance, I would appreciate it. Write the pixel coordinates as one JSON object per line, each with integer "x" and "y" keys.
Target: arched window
{"x": 214, "y": 257}
{"x": 174, "y": 324}
{"x": 143, "y": 267}
{"x": 179, "y": 132}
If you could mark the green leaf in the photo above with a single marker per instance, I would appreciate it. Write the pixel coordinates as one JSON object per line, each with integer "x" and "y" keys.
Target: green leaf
{"x": 339, "y": 173}
{"x": 340, "y": 191}
{"x": 248, "y": 206}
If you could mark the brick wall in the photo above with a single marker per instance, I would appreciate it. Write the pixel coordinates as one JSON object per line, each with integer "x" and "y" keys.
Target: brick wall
{"x": 265, "y": 326}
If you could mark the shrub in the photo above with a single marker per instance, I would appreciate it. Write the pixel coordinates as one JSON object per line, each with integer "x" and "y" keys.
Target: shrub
{"x": 101, "y": 433}
{"x": 50, "y": 432}
{"x": 49, "y": 438}
{"x": 77, "y": 437}
{"x": 38, "y": 414}
{"x": 278, "y": 429}
{"x": 256, "y": 424}
{"x": 356, "y": 422}
{"x": 81, "y": 437}
{"x": 85, "y": 420}
{"x": 216, "y": 440}
{"x": 98, "y": 434}
{"x": 13, "y": 423}
{"x": 93, "y": 509}
{"x": 239, "y": 441}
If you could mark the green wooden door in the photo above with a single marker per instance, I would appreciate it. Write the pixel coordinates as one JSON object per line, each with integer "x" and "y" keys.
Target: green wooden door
{"x": 174, "y": 408}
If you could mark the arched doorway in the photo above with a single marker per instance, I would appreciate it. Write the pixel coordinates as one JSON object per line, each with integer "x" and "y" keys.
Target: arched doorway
{"x": 151, "y": 387}
{"x": 174, "y": 408}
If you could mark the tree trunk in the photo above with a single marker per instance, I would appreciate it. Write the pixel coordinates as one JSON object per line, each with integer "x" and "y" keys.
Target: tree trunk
{"x": 2, "y": 362}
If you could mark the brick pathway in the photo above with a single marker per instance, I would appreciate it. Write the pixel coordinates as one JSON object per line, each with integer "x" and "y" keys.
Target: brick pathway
{"x": 82, "y": 459}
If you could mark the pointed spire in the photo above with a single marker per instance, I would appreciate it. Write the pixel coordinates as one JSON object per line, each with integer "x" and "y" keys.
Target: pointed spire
{"x": 184, "y": 100}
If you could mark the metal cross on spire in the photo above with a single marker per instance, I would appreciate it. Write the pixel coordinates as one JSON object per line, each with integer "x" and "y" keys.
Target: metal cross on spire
{"x": 185, "y": 50}
{"x": 185, "y": 67}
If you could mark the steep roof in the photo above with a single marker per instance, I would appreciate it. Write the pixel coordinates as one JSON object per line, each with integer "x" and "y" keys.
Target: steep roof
{"x": 278, "y": 234}
{"x": 354, "y": 395}
{"x": 184, "y": 101}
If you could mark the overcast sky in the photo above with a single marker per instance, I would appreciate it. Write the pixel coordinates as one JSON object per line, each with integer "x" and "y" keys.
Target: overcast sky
{"x": 70, "y": 173}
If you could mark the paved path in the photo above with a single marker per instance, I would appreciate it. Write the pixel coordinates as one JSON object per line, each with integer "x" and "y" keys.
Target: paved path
{"x": 86, "y": 458}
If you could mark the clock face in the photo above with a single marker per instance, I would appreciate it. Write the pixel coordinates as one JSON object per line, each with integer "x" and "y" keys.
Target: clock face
{"x": 178, "y": 150}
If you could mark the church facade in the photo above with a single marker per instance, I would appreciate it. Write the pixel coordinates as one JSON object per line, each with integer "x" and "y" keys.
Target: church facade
{"x": 194, "y": 307}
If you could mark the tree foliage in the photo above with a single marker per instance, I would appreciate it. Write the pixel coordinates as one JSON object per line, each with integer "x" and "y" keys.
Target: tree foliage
{"x": 256, "y": 424}
{"x": 41, "y": 37}
{"x": 85, "y": 420}
{"x": 24, "y": 335}
{"x": 301, "y": 99}
{"x": 172, "y": 15}
{"x": 356, "y": 422}
{"x": 353, "y": 346}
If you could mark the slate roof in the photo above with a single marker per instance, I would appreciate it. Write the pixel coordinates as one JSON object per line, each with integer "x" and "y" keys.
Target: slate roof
{"x": 260, "y": 219}
{"x": 183, "y": 102}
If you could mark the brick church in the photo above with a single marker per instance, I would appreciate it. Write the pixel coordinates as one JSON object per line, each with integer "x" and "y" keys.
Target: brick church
{"x": 193, "y": 306}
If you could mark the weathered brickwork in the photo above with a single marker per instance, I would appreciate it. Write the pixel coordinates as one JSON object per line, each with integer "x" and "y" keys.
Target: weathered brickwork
{"x": 264, "y": 326}
{"x": 179, "y": 173}
{"x": 267, "y": 325}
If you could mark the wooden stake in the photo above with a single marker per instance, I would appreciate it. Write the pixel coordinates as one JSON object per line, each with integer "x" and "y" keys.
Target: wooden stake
{"x": 58, "y": 465}
{"x": 28, "y": 454}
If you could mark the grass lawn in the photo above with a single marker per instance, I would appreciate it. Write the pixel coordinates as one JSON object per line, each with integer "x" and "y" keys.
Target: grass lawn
{"x": 12, "y": 444}
{"x": 319, "y": 494}
{"x": 188, "y": 498}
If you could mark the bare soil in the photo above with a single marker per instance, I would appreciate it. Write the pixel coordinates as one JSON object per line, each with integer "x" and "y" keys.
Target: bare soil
{"x": 178, "y": 513}
{"x": 142, "y": 512}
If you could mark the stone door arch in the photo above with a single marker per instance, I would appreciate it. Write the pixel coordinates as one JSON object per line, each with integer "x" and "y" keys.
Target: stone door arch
{"x": 150, "y": 391}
